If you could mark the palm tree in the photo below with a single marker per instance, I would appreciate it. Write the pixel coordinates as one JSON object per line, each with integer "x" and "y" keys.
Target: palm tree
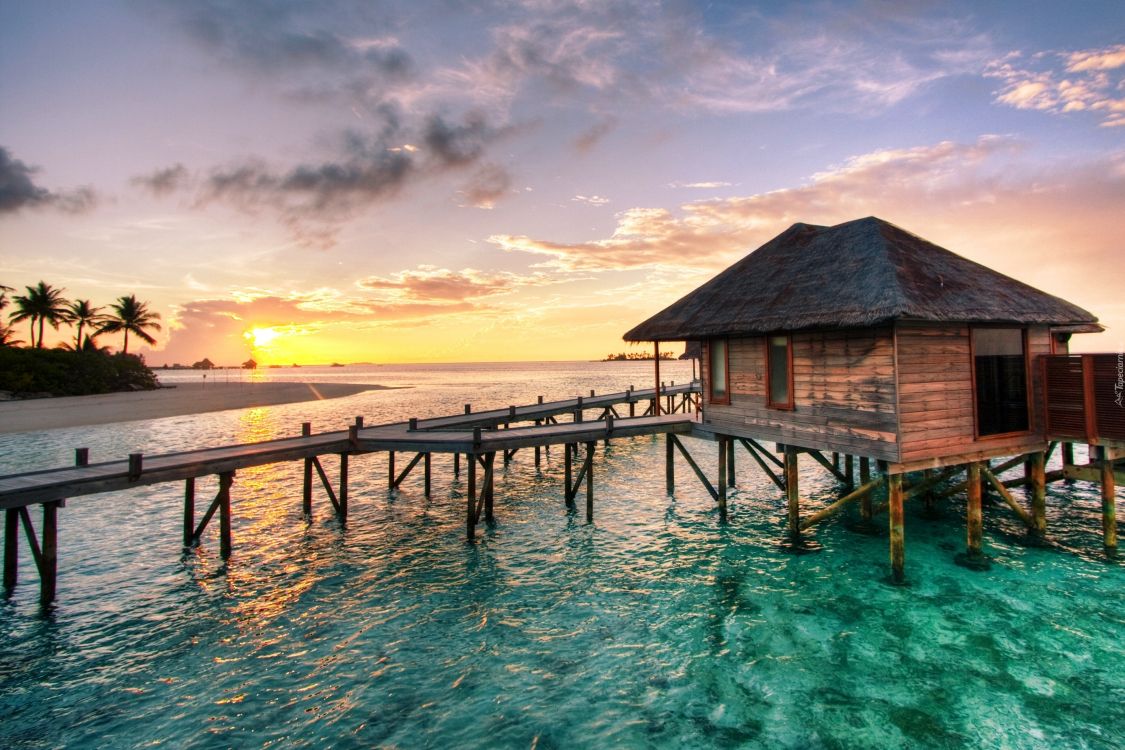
{"x": 5, "y": 332}
{"x": 83, "y": 314}
{"x": 42, "y": 304}
{"x": 131, "y": 315}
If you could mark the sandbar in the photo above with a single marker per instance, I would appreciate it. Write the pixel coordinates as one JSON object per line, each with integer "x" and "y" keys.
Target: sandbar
{"x": 185, "y": 398}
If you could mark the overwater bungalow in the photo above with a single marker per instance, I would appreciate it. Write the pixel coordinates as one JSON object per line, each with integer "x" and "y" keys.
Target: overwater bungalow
{"x": 867, "y": 341}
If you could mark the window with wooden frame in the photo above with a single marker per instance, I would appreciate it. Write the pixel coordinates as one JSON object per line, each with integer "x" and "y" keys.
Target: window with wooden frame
{"x": 1000, "y": 380}
{"x": 718, "y": 362}
{"x": 779, "y": 371}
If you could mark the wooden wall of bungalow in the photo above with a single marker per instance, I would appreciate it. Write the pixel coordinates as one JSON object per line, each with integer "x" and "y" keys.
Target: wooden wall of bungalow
{"x": 902, "y": 394}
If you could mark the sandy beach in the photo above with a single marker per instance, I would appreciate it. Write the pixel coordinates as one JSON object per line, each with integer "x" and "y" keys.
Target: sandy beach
{"x": 185, "y": 398}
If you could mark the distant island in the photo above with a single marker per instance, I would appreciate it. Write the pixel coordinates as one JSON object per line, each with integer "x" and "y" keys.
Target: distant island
{"x": 637, "y": 357}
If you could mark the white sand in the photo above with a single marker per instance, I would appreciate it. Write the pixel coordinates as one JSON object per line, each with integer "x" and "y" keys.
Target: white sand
{"x": 185, "y": 398}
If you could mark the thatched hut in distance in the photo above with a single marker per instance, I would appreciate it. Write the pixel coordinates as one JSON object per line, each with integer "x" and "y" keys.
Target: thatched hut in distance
{"x": 866, "y": 340}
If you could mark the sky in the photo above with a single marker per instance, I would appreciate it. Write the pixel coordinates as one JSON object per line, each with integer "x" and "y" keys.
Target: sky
{"x": 436, "y": 181}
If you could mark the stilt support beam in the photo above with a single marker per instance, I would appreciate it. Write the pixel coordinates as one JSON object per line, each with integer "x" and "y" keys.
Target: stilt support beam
{"x": 898, "y": 535}
{"x": 791, "y": 490}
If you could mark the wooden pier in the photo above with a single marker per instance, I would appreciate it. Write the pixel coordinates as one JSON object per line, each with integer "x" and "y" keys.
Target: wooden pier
{"x": 478, "y": 436}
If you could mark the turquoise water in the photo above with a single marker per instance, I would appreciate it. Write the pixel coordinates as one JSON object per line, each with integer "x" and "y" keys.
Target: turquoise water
{"x": 653, "y": 627}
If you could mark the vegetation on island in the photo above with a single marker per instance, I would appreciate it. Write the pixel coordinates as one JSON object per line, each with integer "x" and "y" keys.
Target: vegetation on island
{"x": 635, "y": 357}
{"x": 29, "y": 369}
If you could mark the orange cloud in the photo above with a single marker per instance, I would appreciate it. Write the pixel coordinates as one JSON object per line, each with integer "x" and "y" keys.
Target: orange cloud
{"x": 1069, "y": 82}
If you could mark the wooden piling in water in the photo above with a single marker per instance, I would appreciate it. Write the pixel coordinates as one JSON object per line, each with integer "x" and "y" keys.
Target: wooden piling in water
{"x": 226, "y": 479}
{"x": 724, "y": 450}
{"x": 342, "y": 509}
{"x": 11, "y": 547}
{"x": 791, "y": 490}
{"x": 669, "y": 465}
{"x": 897, "y": 530}
{"x": 849, "y": 471}
{"x": 1038, "y": 476}
{"x": 189, "y": 511}
{"x": 590, "y": 447}
{"x": 1109, "y": 502}
{"x": 306, "y": 486}
{"x": 471, "y": 497}
{"x": 974, "y": 516}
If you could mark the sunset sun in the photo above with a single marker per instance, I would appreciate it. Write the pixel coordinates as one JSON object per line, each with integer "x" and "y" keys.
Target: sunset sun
{"x": 261, "y": 337}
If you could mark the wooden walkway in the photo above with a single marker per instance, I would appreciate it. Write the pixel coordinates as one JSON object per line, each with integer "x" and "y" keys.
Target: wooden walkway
{"x": 478, "y": 436}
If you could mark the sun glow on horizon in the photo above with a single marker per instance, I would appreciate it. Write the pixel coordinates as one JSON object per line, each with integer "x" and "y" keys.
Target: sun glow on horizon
{"x": 261, "y": 337}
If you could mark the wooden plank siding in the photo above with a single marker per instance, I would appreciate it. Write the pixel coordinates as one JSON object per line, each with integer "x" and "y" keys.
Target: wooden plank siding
{"x": 843, "y": 393}
{"x": 903, "y": 395}
{"x": 936, "y": 418}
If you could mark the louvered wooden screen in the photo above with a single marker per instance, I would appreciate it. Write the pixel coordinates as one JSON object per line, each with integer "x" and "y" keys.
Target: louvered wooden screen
{"x": 1084, "y": 398}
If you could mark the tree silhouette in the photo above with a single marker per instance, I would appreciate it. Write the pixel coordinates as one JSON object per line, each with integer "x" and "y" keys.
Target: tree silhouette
{"x": 42, "y": 304}
{"x": 5, "y": 331}
{"x": 83, "y": 314}
{"x": 131, "y": 316}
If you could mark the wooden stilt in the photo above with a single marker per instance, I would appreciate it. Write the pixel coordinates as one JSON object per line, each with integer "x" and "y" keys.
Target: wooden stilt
{"x": 426, "y": 470}
{"x": 669, "y": 465}
{"x": 471, "y": 497}
{"x": 724, "y": 450}
{"x": 306, "y": 487}
{"x": 791, "y": 490}
{"x": 849, "y": 471}
{"x": 1038, "y": 477}
{"x": 730, "y": 462}
{"x": 489, "y": 485}
{"x": 590, "y": 446}
{"x": 342, "y": 508}
{"x": 865, "y": 511}
{"x": 568, "y": 470}
{"x": 11, "y": 547}
{"x": 225, "y": 481}
{"x": 898, "y": 536}
{"x": 1109, "y": 503}
{"x": 928, "y": 495}
{"x": 456, "y": 465}
{"x": 49, "y": 564}
{"x": 975, "y": 518}
{"x": 1068, "y": 458}
{"x": 836, "y": 460}
{"x": 391, "y": 470}
{"x": 189, "y": 511}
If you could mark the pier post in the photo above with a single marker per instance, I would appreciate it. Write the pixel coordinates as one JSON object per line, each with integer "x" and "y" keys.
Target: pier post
{"x": 1038, "y": 476}
{"x": 928, "y": 495}
{"x": 189, "y": 512}
{"x": 1109, "y": 504}
{"x": 390, "y": 470}
{"x": 791, "y": 490}
{"x": 669, "y": 465}
{"x": 489, "y": 484}
{"x": 849, "y": 471}
{"x": 724, "y": 443}
{"x": 456, "y": 465}
{"x": 49, "y": 570}
{"x": 426, "y": 468}
{"x": 226, "y": 479}
{"x": 568, "y": 470}
{"x": 590, "y": 446}
{"x": 471, "y": 497}
{"x": 975, "y": 518}
{"x": 898, "y": 536}
{"x": 306, "y": 486}
{"x": 836, "y": 460}
{"x": 343, "y": 486}
{"x": 730, "y": 462}
{"x": 1067, "y": 457}
{"x": 865, "y": 510}
{"x": 11, "y": 547}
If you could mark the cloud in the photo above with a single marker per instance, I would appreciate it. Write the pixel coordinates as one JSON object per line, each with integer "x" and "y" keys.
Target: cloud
{"x": 431, "y": 284}
{"x": 1064, "y": 82}
{"x": 486, "y": 186}
{"x": 590, "y": 200}
{"x": 708, "y": 185}
{"x": 19, "y": 191}
{"x": 314, "y": 199}
{"x": 591, "y": 137}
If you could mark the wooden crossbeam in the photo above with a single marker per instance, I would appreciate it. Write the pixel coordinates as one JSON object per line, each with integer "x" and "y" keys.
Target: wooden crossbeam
{"x": 919, "y": 487}
{"x": 1007, "y": 497}
{"x": 405, "y": 472}
{"x": 695, "y": 467}
{"x": 749, "y": 446}
{"x": 776, "y": 461}
{"x": 327, "y": 485}
{"x": 820, "y": 459}
{"x": 837, "y": 506}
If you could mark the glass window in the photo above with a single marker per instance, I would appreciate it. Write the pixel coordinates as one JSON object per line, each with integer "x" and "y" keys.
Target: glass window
{"x": 718, "y": 367}
{"x": 1000, "y": 380}
{"x": 780, "y": 389}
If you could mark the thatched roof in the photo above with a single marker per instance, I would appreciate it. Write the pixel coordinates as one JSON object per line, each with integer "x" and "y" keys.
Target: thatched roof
{"x": 861, "y": 273}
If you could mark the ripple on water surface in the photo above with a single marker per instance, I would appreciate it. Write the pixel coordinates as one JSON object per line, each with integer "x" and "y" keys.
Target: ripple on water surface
{"x": 654, "y": 627}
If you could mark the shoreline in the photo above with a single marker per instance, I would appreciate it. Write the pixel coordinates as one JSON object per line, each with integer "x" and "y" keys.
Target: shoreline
{"x": 31, "y": 415}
